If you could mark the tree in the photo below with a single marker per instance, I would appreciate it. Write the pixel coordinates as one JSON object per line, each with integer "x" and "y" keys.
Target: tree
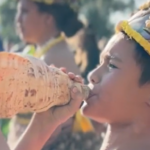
{"x": 98, "y": 13}
{"x": 7, "y": 17}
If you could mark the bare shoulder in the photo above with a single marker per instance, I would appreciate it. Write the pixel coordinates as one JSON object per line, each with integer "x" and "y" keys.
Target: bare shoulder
{"x": 61, "y": 56}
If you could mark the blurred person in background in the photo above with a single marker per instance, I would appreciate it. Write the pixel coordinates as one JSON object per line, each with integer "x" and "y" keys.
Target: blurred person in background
{"x": 86, "y": 52}
{"x": 42, "y": 24}
{"x": 35, "y": 24}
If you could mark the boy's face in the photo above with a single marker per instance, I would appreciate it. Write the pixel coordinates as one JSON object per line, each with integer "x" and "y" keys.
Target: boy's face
{"x": 116, "y": 96}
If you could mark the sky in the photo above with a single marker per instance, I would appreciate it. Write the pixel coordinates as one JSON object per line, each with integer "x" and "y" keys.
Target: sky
{"x": 139, "y": 2}
{"x": 124, "y": 16}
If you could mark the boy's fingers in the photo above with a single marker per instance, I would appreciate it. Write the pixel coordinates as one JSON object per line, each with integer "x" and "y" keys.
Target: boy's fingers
{"x": 76, "y": 98}
{"x": 63, "y": 69}
{"x": 71, "y": 75}
{"x": 52, "y": 65}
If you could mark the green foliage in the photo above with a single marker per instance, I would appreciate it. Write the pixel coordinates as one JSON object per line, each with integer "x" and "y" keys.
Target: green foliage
{"x": 7, "y": 17}
{"x": 5, "y": 126}
{"x": 98, "y": 13}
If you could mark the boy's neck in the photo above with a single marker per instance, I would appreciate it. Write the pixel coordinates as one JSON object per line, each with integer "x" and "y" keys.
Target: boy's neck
{"x": 127, "y": 137}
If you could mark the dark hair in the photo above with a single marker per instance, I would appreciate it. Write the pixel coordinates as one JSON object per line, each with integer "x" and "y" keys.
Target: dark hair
{"x": 87, "y": 53}
{"x": 65, "y": 17}
{"x": 143, "y": 59}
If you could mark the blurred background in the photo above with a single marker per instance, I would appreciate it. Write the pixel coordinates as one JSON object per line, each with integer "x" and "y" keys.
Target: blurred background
{"x": 100, "y": 15}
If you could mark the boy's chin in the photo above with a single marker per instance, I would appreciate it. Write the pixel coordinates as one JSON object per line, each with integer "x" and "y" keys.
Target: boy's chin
{"x": 86, "y": 110}
{"x": 89, "y": 112}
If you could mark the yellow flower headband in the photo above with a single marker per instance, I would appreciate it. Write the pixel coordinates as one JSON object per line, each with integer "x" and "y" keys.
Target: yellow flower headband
{"x": 72, "y": 3}
{"x": 138, "y": 27}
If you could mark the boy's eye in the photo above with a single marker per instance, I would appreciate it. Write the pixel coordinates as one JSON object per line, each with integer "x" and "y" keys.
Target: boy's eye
{"x": 111, "y": 66}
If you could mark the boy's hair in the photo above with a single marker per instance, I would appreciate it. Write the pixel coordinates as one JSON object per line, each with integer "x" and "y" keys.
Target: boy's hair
{"x": 143, "y": 59}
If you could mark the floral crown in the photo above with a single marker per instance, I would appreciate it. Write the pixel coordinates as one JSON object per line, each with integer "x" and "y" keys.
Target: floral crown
{"x": 138, "y": 26}
{"x": 74, "y": 4}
